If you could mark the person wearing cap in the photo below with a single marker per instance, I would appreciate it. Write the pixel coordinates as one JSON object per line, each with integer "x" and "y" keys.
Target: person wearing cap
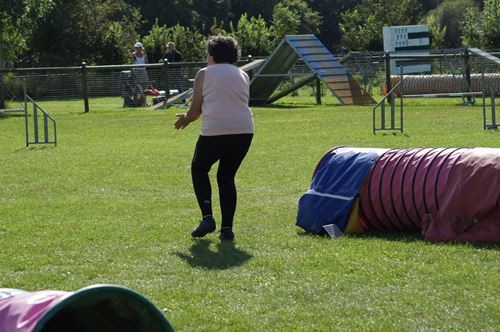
{"x": 139, "y": 57}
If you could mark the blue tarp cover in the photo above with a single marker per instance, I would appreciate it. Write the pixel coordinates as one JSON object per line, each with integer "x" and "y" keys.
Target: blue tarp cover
{"x": 336, "y": 182}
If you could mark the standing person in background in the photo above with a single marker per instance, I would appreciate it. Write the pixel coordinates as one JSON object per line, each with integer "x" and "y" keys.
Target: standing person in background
{"x": 220, "y": 97}
{"x": 172, "y": 55}
{"x": 139, "y": 57}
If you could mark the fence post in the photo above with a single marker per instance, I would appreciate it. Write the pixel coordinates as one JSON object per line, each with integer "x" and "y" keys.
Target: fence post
{"x": 388, "y": 82}
{"x": 2, "y": 64}
{"x": 84, "y": 86}
{"x": 318, "y": 91}
{"x": 494, "y": 124}
{"x": 167, "y": 79}
{"x": 467, "y": 74}
{"x": 250, "y": 72}
{"x": 26, "y": 122}
{"x": 2, "y": 92}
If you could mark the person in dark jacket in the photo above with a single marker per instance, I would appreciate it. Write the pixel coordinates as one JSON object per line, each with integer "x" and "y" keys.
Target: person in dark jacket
{"x": 171, "y": 56}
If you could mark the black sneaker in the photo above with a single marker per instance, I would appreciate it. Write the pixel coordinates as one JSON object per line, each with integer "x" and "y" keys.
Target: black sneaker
{"x": 207, "y": 225}
{"x": 226, "y": 234}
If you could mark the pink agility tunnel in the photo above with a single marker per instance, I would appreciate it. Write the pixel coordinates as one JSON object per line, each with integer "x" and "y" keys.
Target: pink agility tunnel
{"x": 404, "y": 185}
{"x": 98, "y": 308}
{"x": 450, "y": 194}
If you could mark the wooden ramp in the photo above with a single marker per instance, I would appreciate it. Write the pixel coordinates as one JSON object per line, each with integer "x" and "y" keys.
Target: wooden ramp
{"x": 189, "y": 93}
{"x": 172, "y": 100}
{"x": 252, "y": 65}
{"x": 321, "y": 62}
{"x": 485, "y": 55}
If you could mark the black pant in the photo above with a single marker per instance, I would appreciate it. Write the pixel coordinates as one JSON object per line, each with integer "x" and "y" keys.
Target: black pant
{"x": 229, "y": 150}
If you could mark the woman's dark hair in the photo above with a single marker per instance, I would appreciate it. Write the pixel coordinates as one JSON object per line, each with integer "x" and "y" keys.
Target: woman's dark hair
{"x": 223, "y": 49}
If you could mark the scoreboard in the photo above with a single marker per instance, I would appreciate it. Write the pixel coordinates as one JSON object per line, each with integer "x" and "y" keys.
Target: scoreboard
{"x": 408, "y": 40}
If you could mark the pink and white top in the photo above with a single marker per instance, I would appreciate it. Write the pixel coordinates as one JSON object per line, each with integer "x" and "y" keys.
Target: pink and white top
{"x": 225, "y": 107}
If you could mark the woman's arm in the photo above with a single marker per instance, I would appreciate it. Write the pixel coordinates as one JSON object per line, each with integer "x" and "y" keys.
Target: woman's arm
{"x": 195, "y": 109}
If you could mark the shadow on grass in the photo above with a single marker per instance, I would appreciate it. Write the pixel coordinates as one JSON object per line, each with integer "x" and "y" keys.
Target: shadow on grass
{"x": 408, "y": 237}
{"x": 417, "y": 237}
{"x": 281, "y": 106}
{"x": 394, "y": 133}
{"x": 224, "y": 257}
{"x": 400, "y": 236}
{"x": 35, "y": 147}
{"x": 4, "y": 116}
{"x": 382, "y": 235}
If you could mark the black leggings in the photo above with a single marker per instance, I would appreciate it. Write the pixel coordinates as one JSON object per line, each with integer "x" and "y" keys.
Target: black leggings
{"x": 229, "y": 150}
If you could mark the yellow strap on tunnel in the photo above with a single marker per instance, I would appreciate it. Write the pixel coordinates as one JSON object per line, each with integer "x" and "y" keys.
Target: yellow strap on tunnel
{"x": 353, "y": 223}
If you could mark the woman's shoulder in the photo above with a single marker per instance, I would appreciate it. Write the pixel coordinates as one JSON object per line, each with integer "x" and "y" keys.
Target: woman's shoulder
{"x": 222, "y": 67}
{"x": 225, "y": 68}
{"x": 200, "y": 75}
{"x": 202, "y": 71}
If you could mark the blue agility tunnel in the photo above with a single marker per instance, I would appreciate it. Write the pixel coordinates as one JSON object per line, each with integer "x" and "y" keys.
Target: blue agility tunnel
{"x": 334, "y": 188}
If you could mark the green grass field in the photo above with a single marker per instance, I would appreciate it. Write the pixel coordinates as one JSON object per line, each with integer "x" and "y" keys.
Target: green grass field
{"x": 113, "y": 203}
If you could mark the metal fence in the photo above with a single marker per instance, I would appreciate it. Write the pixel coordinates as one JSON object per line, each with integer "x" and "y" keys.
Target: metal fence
{"x": 94, "y": 81}
{"x": 82, "y": 82}
{"x": 371, "y": 68}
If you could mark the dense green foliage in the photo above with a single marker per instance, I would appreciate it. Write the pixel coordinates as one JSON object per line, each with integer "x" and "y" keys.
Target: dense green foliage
{"x": 451, "y": 15}
{"x": 66, "y": 32}
{"x": 189, "y": 41}
{"x": 253, "y": 35}
{"x": 80, "y": 30}
{"x": 482, "y": 29}
{"x": 113, "y": 203}
{"x": 18, "y": 21}
{"x": 362, "y": 26}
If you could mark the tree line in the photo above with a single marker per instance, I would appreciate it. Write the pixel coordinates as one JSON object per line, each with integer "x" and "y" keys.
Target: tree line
{"x": 66, "y": 32}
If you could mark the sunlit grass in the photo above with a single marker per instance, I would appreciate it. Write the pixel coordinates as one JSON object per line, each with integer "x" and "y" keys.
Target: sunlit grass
{"x": 113, "y": 203}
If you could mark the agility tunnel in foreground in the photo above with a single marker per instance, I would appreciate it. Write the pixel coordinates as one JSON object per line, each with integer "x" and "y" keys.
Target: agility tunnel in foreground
{"x": 449, "y": 194}
{"x": 98, "y": 308}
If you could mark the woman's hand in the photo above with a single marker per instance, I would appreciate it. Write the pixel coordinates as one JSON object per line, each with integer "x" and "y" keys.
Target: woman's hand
{"x": 181, "y": 122}
{"x": 195, "y": 109}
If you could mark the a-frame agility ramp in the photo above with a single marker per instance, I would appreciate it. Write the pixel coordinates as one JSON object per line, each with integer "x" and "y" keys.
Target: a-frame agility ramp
{"x": 485, "y": 55}
{"x": 323, "y": 64}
